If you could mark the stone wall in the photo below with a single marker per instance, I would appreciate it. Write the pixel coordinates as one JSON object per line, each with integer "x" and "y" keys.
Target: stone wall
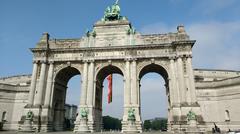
{"x": 218, "y": 93}
{"x": 13, "y": 97}
{"x": 17, "y": 80}
{"x": 211, "y": 75}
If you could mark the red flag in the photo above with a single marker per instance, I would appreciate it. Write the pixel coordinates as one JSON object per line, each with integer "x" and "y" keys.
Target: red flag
{"x": 109, "y": 78}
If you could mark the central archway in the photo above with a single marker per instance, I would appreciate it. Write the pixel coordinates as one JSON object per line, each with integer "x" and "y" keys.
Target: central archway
{"x": 100, "y": 77}
{"x": 60, "y": 87}
{"x": 155, "y": 70}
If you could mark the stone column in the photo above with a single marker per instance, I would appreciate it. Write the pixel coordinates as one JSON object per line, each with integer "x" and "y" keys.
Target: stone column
{"x": 174, "y": 92}
{"x": 134, "y": 92}
{"x": 134, "y": 95}
{"x": 127, "y": 91}
{"x": 33, "y": 84}
{"x": 49, "y": 85}
{"x": 90, "y": 96}
{"x": 191, "y": 79}
{"x": 90, "y": 84}
{"x": 181, "y": 80}
{"x": 38, "y": 100}
{"x": 83, "y": 98}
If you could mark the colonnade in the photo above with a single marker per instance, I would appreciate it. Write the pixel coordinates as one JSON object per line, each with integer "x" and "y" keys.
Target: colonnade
{"x": 180, "y": 84}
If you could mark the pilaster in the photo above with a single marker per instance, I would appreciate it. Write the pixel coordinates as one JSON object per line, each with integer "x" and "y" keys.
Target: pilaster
{"x": 191, "y": 79}
{"x": 33, "y": 84}
{"x": 40, "y": 91}
{"x": 49, "y": 85}
{"x": 182, "y": 89}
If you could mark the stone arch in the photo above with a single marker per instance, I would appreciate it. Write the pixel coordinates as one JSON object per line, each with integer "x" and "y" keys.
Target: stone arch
{"x": 157, "y": 67}
{"x": 61, "y": 78}
{"x": 101, "y": 74}
{"x": 61, "y": 67}
{"x": 101, "y": 66}
{"x": 160, "y": 68}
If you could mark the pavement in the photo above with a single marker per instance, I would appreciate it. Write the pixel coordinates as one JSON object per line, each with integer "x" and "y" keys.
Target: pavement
{"x": 70, "y": 132}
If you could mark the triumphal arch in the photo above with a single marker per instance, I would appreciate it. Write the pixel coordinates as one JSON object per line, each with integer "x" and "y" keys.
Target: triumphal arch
{"x": 196, "y": 98}
{"x": 112, "y": 46}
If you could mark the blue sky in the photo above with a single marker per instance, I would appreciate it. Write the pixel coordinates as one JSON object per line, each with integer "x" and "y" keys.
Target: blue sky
{"x": 215, "y": 24}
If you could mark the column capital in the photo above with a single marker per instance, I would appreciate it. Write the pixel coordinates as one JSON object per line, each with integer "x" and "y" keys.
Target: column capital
{"x": 172, "y": 57}
{"x": 127, "y": 59}
{"x": 179, "y": 56}
{"x": 43, "y": 62}
{"x": 134, "y": 59}
{"x": 189, "y": 56}
{"x": 35, "y": 62}
{"x": 51, "y": 62}
{"x": 85, "y": 61}
{"x": 91, "y": 60}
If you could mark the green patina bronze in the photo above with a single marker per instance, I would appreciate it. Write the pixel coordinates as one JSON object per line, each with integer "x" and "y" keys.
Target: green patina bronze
{"x": 131, "y": 31}
{"x": 29, "y": 115}
{"x": 191, "y": 115}
{"x": 84, "y": 113}
{"x": 113, "y": 13}
{"x": 93, "y": 33}
{"x": 131, "y": 114}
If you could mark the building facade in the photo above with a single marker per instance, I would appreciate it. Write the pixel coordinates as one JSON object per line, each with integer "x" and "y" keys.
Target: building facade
{"x": 114, "y": 46}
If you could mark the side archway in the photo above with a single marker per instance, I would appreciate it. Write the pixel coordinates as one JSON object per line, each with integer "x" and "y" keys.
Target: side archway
{"x": 61, "y": 79}
{"x": 155, "y": 70}
{"x": 101, "y": 75}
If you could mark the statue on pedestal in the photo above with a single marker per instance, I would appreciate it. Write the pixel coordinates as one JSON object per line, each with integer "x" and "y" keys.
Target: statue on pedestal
{"x": 192, "y": 121}
{"x": 27, "y": 126}
{"x": 83, "y": 127}
{"x": 131, "y": 121}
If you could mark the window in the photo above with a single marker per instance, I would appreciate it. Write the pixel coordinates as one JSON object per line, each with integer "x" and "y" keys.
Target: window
{"x": 227, "y": 116}
{"x": 4, "y": 117}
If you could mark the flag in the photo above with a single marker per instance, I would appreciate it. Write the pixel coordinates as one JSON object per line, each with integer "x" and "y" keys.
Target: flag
{"x": 109, "y": 78}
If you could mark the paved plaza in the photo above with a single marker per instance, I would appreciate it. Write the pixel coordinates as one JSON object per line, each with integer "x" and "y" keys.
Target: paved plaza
{"x": 70, "y": 132}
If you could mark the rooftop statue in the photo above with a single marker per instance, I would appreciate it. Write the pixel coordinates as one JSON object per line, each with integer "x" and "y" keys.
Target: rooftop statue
{"x": 113, "y": 13}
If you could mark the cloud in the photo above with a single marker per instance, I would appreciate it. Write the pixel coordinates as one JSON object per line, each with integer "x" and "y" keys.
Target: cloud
{"x": 157, "y": 28}
{"x": 217, "y": 45}
{"x": 210, "y": 7}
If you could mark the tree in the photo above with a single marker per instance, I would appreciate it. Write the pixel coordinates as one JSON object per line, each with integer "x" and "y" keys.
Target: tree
{"x": 110, "y": 123}
{"x": 147, "y": 124}
{"x": 159, "y": 124}
{"x": 156, "y": 124}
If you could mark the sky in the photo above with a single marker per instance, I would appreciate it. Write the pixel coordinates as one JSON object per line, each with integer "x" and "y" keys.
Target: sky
{"x": 214, "y": 24}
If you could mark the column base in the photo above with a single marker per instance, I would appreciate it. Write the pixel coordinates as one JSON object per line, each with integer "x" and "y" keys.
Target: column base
{"x": 131, "y": 128}
{"x": 27, "y": 126}
{"x": 83, "y": 127}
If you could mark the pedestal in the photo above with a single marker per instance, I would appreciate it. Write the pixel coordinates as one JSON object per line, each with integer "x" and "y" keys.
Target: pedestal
{"x": 131, "y": 128}
{"x": 83, "y": 127}
{"x": 192, "y": 128}
{"x": 27, "y": 126}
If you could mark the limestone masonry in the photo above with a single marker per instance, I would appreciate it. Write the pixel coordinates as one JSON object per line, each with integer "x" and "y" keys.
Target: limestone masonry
{"x": 114, "y": 46}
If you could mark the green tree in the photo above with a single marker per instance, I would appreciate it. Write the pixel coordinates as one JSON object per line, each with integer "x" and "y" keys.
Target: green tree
{"x": 156, "y": 124}
{"x": 110, "y": 123}
{"x": 159, "y": 124}
{"x": 147, "y": 124}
